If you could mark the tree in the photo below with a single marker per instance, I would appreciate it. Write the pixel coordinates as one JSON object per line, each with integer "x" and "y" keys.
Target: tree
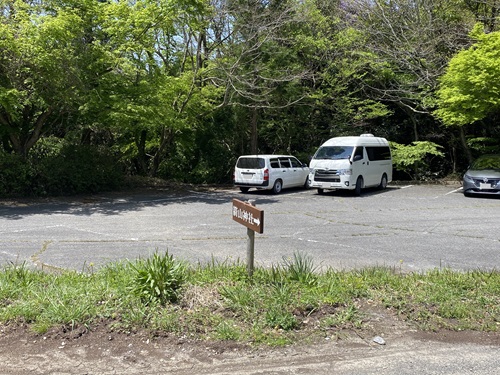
{"x": 160, "y": 90}
{"x": 258, "y": 64}
{"x": 469, "y": 91}
{"x": 410, "y": 43}
{"x": 42, "y": 46}
{"x": 486, "y": 12}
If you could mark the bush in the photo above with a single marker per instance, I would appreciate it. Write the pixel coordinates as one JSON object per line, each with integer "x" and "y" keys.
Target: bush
{"x": 80, "y": 169}
{"x": 55, "y": 168}
{"x": 16, "y": 176}
{"x": 413, "y": 159}
{"x": 158, "y": 279}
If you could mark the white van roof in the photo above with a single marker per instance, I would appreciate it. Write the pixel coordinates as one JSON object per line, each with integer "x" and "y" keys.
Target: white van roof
{"x": 363, "y": 140}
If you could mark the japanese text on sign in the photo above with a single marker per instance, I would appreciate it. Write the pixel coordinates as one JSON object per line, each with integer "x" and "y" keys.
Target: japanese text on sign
{"x": 248, "y": 215}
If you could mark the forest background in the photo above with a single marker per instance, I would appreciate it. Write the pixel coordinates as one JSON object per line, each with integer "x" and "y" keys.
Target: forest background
{"x": 93, "y": 92}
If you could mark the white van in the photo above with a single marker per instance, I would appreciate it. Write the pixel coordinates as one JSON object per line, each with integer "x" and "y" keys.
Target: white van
{"x": 351, "y": 163}
{"x": 270, "y": 172}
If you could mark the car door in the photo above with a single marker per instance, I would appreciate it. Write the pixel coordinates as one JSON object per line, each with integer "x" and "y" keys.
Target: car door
{"x": 360, "y": 165}
{"x": 298, "y": 171}
{"x": 285, "y": 172}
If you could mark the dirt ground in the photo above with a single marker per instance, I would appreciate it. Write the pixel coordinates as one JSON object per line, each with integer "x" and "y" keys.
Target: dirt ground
{"x": 100, "y": 351}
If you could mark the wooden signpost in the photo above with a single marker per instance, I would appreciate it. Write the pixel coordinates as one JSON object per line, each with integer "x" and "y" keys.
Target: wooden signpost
{"x": 253, "y": 218}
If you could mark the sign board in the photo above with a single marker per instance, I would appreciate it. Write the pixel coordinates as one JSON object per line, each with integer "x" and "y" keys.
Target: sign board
{"x": 248, "y": 215}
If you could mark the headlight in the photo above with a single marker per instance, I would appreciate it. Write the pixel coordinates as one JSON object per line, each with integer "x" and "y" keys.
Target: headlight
{"x": 468, "y": 178}
{"x": 344, "y": 172}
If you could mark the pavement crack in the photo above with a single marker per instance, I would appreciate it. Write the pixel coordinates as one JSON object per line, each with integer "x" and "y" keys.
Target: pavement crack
{"x": 35, "y": 258}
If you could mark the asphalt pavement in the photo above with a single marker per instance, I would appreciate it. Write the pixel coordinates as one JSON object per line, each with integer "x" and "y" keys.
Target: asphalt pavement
{"x": 411, "y": 227}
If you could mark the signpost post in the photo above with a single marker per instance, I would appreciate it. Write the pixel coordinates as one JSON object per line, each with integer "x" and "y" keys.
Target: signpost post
{"x": 253, "y": 218}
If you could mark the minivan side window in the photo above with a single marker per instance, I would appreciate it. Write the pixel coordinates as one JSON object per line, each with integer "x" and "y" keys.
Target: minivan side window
{"x": 378, "y": 153}
{"x": 295, "y": 163}
{"x": 274, "y": 163}
{"x": 285, "y": 163}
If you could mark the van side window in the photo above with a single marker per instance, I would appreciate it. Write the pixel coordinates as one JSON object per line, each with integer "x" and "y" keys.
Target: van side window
{"x": 285, "y": 163}
{"x": 359, "y": 153}
{"x": 378, "y": 153}
{"x": 274, "y": 163}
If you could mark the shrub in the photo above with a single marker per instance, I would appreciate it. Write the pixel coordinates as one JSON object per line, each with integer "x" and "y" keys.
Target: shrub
{"x": 159, "y": 278}
{"x": 16, "y": 176}
{"x": 413, "y": 159}
{"x": 80, "y": 169}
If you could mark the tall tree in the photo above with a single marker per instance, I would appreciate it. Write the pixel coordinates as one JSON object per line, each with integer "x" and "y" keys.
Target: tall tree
{"x": 410, "y": 42}
{"x": 42, "y": 47}
{"x": 258, "y": 63}
{"x": 469, "y": 91}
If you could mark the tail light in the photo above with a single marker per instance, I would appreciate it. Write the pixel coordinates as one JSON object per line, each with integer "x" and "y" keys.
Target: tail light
{"x": 266, "y": 174}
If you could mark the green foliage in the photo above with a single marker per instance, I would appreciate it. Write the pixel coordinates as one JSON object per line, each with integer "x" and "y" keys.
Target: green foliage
{"x": 16, "y": 176}
{"x": 484, "y": 145}
{"x": 80, "y": 169}
{"x": 469, "y": 89}
{"x": 158, "y": 279}
{"x": 219, "y": 305}
{"x": 280, "y": 80}
{"x": 413, "y": 159}
{"x": 301, "y": 268}
{"x": 56, "y": 168}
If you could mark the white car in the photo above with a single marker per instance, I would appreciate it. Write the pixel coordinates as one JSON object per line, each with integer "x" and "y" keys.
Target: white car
{"x": 270, "y": 172}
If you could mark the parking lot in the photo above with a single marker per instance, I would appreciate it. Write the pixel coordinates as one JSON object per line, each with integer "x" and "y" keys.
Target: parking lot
{"x": 411, "y": 227}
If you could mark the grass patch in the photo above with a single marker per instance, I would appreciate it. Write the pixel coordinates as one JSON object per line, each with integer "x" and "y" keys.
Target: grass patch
{"x": 219, "y": 301}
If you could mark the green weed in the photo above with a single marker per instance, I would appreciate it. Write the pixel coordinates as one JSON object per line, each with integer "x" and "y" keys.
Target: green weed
{"x": 219, "y": 301}
{"x": 158, "y": 278}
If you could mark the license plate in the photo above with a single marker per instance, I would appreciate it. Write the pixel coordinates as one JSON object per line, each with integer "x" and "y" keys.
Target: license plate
{"x": 484, "y": 186}
{"x": 247, "y": 176}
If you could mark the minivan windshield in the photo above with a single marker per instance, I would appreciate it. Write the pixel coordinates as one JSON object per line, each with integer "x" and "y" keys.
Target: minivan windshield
{"x": 334, "y": 152}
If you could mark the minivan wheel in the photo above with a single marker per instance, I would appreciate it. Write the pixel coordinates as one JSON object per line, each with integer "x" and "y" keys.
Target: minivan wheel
{"x": 278, "y": 185}
{"x": 359, "y": 185}
{"x": 244, "y": 189}
{"x": 383, "y": 182}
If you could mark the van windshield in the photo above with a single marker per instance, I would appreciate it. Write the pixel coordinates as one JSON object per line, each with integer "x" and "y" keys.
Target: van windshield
{"x": 334, "y": 152}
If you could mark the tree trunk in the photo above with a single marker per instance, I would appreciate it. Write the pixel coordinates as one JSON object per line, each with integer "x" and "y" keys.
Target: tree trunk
{"x": 464, "y": 144}
{"x": 141, "y": 163}
{"x": 23, "y": 141}
{"x": 253, "y": 132}
{"x": 167, "y": 136}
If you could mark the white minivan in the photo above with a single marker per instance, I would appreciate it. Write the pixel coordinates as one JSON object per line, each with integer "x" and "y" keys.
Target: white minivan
{"x": 270, "y": 172}
{"x": 351, "y": 163}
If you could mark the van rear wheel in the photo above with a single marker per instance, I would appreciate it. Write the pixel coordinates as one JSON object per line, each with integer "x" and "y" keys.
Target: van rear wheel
{"x": 383, "y": 182}
{"x": 277, "y": 187}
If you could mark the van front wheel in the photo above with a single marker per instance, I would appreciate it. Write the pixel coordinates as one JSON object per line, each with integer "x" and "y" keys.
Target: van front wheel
{"x": 359, "y": 186}
{"x": 277, "y": 187}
